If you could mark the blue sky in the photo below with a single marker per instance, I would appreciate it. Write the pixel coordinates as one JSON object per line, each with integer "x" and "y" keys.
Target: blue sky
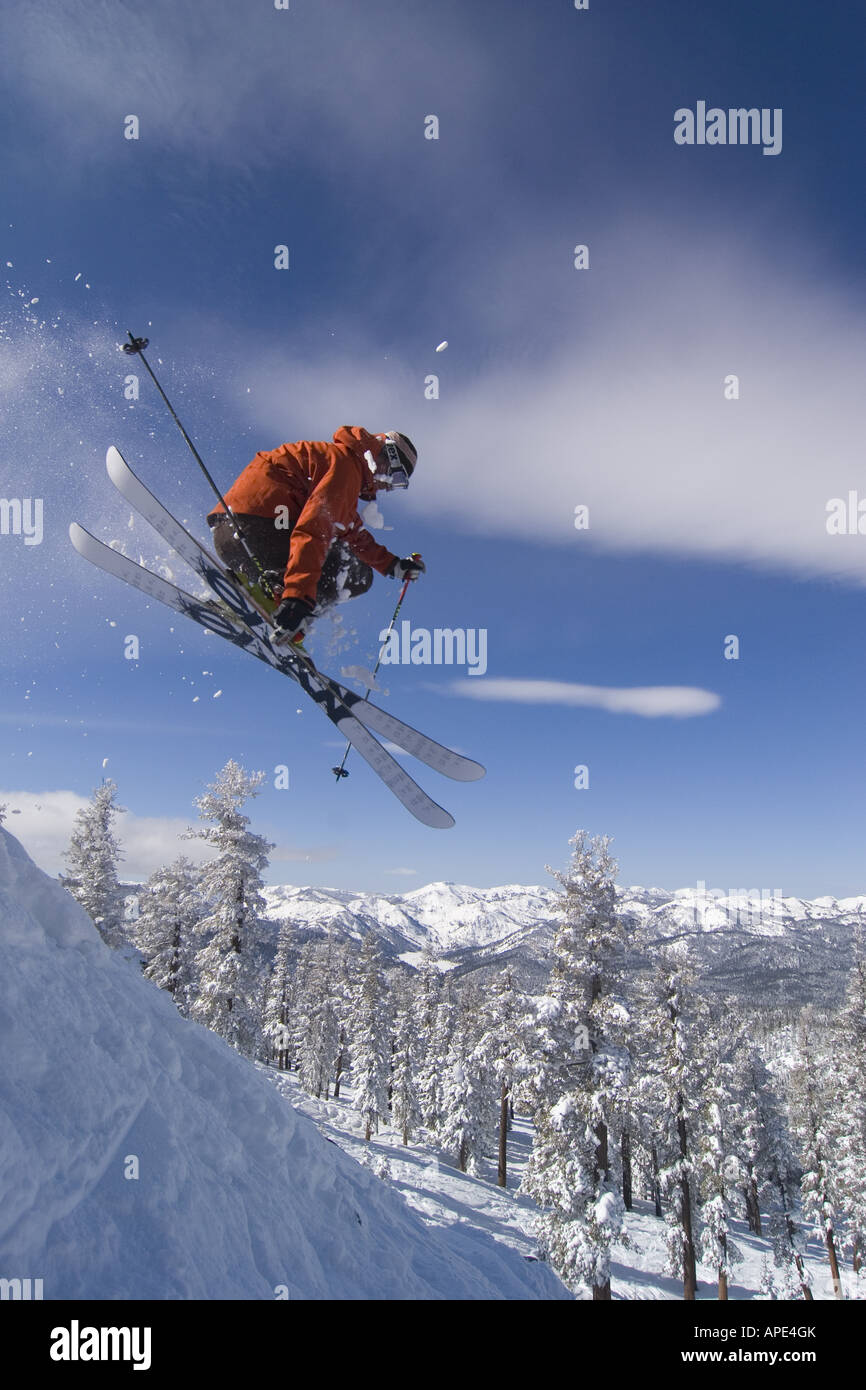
{"x": 558, "y": 387}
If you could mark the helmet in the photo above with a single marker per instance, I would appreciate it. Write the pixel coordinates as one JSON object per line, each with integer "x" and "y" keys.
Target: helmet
{"x": 396, "y": 462}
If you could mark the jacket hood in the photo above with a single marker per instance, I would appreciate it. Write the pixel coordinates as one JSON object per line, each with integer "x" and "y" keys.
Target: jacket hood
{"x": 361, "y": 441}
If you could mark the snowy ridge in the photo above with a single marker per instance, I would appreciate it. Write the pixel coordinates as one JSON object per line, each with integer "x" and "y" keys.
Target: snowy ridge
{"x": 236, "y": 1194}
{"x": 785, "y": 949}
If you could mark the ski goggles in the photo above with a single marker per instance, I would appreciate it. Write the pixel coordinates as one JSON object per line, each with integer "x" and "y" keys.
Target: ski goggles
{"x": 398, "y": 474}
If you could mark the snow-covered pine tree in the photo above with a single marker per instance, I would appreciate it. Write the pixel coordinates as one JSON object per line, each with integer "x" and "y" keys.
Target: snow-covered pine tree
{"x": 298, "y": 1018}
{"x": 405, "y": 1102}
{"x": 642, "y": 1098}
{"x": 370, "y": 1039}
{"x": 775, "y": 1169}
{"x": 849, "y": 1108}
{"x": 428, "y": 988}
{"x": 670, "y": 1091}
{"x": 169, "y": 911}
{"x": 345, "y": 962}
{"x": 503, "y": 1045}
{"x": 580, "y": 1076}
{"x": 750, "y": 1138}
{"x": 277, "y": 1013}
{"x": 469, "y": 1090}
{"x": 811, "y": 1108}
{"x": 93, "y": 856}
{"x": 317, "y": 1021}
{"x": 229, "y": 963}
{"x": 721, "y": 1173}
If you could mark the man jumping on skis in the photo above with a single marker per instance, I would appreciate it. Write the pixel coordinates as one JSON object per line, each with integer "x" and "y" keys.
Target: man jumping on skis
{"x": 297, "y": 510}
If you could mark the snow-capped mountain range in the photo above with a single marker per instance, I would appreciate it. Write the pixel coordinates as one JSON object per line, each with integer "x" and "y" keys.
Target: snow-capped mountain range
{"x": 782, "y": 949}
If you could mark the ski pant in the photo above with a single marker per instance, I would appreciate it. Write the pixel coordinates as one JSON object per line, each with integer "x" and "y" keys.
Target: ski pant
{"x": 343, "y": 574}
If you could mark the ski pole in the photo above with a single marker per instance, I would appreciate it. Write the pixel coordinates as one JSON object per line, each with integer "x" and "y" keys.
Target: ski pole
{"x": 341, "y": 770}
{"x": 135, "y": 348}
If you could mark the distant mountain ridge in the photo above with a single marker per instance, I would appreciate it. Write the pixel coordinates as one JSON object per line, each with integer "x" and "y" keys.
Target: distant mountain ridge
{"x": 783, "y": 949}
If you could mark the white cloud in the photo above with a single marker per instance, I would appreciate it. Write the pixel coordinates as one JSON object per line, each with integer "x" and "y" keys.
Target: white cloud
{"x": 405, "y": 873}
{"x": 650, "y": 701}
{"x": 239, "y": 83}
{"x": 44, "y": 822}
{"x": 620, "y": 404}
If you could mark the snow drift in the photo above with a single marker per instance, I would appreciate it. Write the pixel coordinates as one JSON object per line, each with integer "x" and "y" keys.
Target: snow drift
{"x": 237, "y": 1194}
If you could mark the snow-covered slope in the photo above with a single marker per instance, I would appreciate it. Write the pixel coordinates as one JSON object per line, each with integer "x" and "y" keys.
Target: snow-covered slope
{"x": 236, "y": 1194}
{"x": 640, "y": 1266}
{"x": 781, "y": 949}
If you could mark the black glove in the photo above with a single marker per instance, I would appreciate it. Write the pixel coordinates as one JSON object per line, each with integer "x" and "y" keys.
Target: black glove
{"x": 291, "y": 616}
{"x": 409, "y": 568}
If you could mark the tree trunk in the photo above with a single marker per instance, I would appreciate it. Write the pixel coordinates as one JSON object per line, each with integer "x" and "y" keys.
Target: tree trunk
{"x": 463, "y": 1155}
{"x": 723, "y": 1278}
{"x": 391, "y": 1076}
{"x": 369, "y": 1131}
{"x": 174, "y": 969}
{"x": 756, "y": 1205}
{"x": 656, "y": 1184}
{"x": 834, "y": 1263}
{"x": 601, "y": 1292}
{"x": 502, "y": 1175}
{"x": 750, "y": 1211}
{"x": 625, "y": 1147}
{"x": 690, "y": 1277}
{"x": 341, "y": 1057}
{"x": 753, "y": 1210}
{"x": 798, "y": 1259}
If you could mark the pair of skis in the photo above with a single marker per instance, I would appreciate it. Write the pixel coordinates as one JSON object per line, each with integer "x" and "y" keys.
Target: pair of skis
{"x": 237, "y": 618}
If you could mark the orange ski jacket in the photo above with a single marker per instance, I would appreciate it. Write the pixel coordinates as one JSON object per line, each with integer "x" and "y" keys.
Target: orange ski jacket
{"x": 319, "y": 485}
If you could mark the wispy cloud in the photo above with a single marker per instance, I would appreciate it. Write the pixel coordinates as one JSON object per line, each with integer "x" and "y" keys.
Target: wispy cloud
{"x": 43, "y": 822}
{"x": 650, "y": 701}
{"x": 402, "y": 873}
{"x": 226, "y": 88}
{"x": 628, "y": 414}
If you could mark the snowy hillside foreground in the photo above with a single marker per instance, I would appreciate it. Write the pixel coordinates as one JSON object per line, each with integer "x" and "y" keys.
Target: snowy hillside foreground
{"x": 772, "y": 948}
{"x": 237, "y": 1194}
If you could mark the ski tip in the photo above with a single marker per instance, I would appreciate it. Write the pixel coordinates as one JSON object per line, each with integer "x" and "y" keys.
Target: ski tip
{"x": 435, "y": 816}
{"x": 114, "y": 461}
{"x": 470, "y": 771}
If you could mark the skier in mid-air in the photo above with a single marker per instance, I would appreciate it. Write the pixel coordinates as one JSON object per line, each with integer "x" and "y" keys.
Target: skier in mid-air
{"x": 296, "y": 508}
